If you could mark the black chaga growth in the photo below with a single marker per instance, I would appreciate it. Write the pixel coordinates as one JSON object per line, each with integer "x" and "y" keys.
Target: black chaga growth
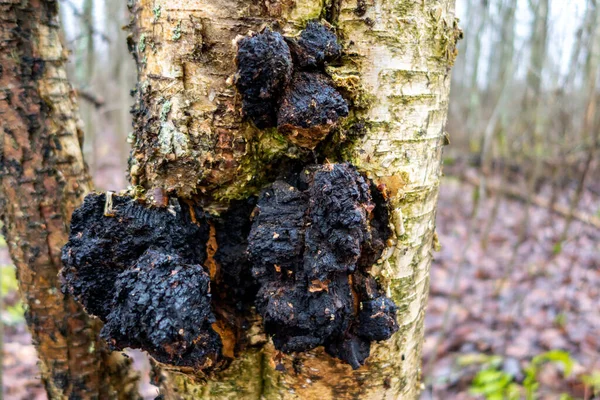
{"x": 108, "y": 235}
{"x": 139, "y": 270}
{"x": 232, "y": 230}
{"x": 177, "y": 282}
{"x": 309, "y": 108}
{"x": 310, "y": 246}
{"x": 295, "y": 96}
{"x": 316, "y": 44}
{"x": 163, "y": 305}
{"x": 264, "y": 69}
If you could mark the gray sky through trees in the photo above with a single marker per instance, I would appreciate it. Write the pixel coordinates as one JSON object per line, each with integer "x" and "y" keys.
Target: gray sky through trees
{"x": 565, "y": 19}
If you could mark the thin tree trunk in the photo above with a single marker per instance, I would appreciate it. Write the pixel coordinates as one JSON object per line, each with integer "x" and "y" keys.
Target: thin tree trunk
{"x": 460, "y": 70}
{"x": 474, "y": 90}
{"x": 532, "y": 100}
{"x": 539, "y": 44}
{"x": 506, "y": 43}
{"x": 121, "y": 73}
{"x": 43, "y": 178}
{"x": 589, "y": 128}
{"x": 533, "y": 106}
{"x": 190, "y": 139}
{"x": 85, "y": 55}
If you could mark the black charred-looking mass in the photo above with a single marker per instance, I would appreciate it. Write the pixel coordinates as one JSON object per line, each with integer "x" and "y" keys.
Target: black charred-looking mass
{"x": 281, "y": 220}
{"x": 264, "y": 69}
{"x": 351, "y": 348}
{"x": 163, "y": 305}
{"x": 380, "y": 230}
{"x": 232, "y": 229}
{"x": 316, "y": 44}
{"x": 315, "y": 233}
{"x": 300, "y": 319}
{"x": 306, "y": 246}
{"x": 297, "y": 97}
{"x": 377, "y": 319}
{"x": 309, "y": 108}
{"x": 100, "y": 247}
{"x": 339, "y": 209}
{"x": 139, "y": 270}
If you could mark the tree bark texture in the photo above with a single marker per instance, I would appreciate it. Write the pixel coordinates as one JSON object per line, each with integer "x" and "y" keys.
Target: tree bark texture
{"x": 190, "y": 138}
{"x": 43, "y": 178}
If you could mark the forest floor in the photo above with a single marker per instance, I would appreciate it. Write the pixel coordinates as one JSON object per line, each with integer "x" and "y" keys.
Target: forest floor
{"x": 513, "y": 294}
{"x": 497, "y": 300}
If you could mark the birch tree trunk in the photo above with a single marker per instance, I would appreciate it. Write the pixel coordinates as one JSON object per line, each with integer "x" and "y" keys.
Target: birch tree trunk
{"x": 190, "y": 139}
{"x": 43, "y": 178}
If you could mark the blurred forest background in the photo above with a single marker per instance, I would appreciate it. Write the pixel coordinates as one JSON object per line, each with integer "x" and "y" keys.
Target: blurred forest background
{"x": 514, "y": 309}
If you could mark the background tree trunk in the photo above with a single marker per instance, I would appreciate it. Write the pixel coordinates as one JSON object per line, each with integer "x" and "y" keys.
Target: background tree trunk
{"x": 189, "y": 138}
{"x": 43, "y": 178}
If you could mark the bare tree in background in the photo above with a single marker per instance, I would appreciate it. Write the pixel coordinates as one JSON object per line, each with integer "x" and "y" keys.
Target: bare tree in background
{"x": 529, "y": 114}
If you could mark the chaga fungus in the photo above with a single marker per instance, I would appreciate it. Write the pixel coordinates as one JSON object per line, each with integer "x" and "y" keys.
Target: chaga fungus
{"x": 301, "y": 252}
{"x": 309, "y": 109}
{"x": 163, "y": 305}
{"x": 264, "y": 69}
{"x": 139, "y": 269}
{"x": 282, "y": 83}
{"x": 234, "y": 280}
{"x": 317, "y": 43}
{"x": 299, "y": 318}
{"x": 307, "y": 247}
{"x": 109, "y": 233}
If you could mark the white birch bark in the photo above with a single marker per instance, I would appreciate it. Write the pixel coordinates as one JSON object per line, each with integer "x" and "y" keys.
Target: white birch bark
{"x": 397, "y": 61}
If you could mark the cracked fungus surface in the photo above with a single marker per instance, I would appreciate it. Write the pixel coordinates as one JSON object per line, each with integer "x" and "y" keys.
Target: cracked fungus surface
{"x": 162, "y": 304}
{"x": 283, "y": 84}
{"x": 141, "y": 270}
{"x": 265, "y": 68}
{"x": 105, "y": 242}
{"x": 311, "y": 246}
{"x": 173, "y": 280}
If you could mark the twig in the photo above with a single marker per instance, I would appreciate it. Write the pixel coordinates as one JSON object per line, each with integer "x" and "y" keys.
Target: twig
{"x": 539, "y": 201}
{"x": 96, "y": 101}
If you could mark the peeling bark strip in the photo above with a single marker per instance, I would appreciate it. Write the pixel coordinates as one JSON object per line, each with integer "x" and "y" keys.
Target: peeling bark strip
{"x": 191, "y": 138}
{"x": 43, "y": 179}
